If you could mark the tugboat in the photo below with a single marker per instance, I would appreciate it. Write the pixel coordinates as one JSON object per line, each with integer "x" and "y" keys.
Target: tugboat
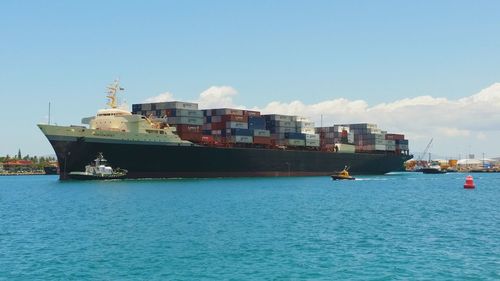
{"x": 343, "y": 175}
{"x": 99, "y": 171}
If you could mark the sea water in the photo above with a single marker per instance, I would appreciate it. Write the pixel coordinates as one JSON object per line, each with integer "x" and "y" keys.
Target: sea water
{"x": 402, "y": 226}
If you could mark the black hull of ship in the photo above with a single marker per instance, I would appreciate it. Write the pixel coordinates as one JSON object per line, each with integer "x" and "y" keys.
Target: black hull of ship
{"x": 162, "y": 161}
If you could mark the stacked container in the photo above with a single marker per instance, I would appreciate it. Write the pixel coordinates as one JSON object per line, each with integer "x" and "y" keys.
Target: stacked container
{"x": 335, "y": 134}
{"x": 292, "y": 131}
{"x": 400, "y": 143}
{"x": 184, "y": 116}
{"x": 236, "y": 126}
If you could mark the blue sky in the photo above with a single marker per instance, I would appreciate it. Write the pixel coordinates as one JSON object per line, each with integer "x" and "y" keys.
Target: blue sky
{"x": 66, "y": 52}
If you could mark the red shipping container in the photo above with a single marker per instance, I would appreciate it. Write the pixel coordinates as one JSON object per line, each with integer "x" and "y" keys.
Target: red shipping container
{"x": 251, "y": 113}
{"x": 394, "y": 137}
{"x": 218, "y": 126}
{"x": 195, "y": 137}
{"x": 189, "y": 128}
{"x": 235, "y": 118}
{"x": 262, "y": 140}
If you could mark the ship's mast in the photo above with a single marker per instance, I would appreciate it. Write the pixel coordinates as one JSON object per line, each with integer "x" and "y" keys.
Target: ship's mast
{"x": 112, "y": 90}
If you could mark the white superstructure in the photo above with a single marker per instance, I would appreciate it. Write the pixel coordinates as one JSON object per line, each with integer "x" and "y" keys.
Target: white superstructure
{"x": 115, "y": 124}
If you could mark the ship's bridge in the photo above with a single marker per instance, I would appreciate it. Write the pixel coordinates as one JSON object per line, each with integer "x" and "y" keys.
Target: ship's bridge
{"x": 113, "y": 112}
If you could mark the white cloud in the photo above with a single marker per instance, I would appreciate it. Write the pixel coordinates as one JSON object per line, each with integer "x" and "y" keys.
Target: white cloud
{"x": 216, "y": 97}
{"x": 453, "y": 123}
{"x": 167, "y": 96}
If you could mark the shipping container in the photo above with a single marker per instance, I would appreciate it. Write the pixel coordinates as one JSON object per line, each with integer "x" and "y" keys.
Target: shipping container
{"x": 345, "y": 148}
{"x": 262, "y": 140}
{"x": 189, "y": 128}
{"x": 177, "y": 105}
{"x": 237, "y": 132}
{"x": 276, "y": 136}
{"x": 251, "y": 113}
{"x": 295, "y": 142}
{"x": 185, "y": 120}
{"x": 235, "y": 118}
{"x": 274, "y": 123}
{"x": 394, "y": 137}
{"x": 189, "y": 136}
{"x": 182, "y": 113}
{"x": 236, "y": 125}
{"x": 402, "y": 142}
{"x": 256, "y": 122}
{"x": 306, "y": 130}
{"x": 227, "y": 111}
{"x": 298, "y": 136}
{"x": 261, "y": 133}
{"x": 305, "y": 124}
{"x": 312, "y": 143}
{"x": 278, "y": 117}
{"x": 218, "y": 126}
{"x": 239, "y": 139}
{"x": 207, "y": 112}
{"x": 312, "y": 136}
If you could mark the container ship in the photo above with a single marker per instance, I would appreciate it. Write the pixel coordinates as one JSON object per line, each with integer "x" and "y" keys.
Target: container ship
{"x": 177, "y": 140}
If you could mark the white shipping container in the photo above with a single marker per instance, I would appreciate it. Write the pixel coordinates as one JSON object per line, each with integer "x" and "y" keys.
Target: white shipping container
{"x": 295, "y": 142}
{"x": 236, "y": 125}
{"x": 146, "y": 106}
{"x": 313, "y": 143}
{"x": 307, "y": 130}
{"x": 346, "y": 148}
{"x": 350, "y": 138}
{"x": 240, "y": 139}
{"x": 305, "y": 124}
{"x": 390, "y": 142}
{"x": 312, "y": 137}
{"x": 261, "y": 133}
{"x": 185, "y": 120}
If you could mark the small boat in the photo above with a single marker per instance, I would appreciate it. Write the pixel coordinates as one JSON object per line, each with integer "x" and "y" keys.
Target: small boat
{"x": 342, "y": 175}
{"x": 99, "y": 171}
{"x": 435, "y": 169}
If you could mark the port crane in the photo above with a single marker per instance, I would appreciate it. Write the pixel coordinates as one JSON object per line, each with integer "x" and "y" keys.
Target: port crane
{"x": 426, "y": 150}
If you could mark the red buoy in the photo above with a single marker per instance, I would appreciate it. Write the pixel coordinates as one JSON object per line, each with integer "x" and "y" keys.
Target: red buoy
{"x": 469, "y": 182}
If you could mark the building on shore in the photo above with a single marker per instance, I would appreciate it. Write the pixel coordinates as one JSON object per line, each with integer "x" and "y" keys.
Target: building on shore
{"x": 15, "y": 166}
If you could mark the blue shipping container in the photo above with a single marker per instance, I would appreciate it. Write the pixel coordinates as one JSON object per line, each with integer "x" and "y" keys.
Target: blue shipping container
{"x": 296, "y": 136}
{"x": 256, "y": 122}
{"x": 237, "y": 132}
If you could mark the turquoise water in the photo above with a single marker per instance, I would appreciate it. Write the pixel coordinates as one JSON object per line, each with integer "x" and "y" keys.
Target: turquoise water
{"x": 402, "y": 226}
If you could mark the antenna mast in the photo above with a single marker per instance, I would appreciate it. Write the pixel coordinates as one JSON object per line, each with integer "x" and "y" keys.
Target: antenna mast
{"x": 112, "y": 90}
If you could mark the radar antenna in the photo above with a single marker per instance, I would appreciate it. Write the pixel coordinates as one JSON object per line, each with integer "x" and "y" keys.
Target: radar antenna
{"x": 112, "y": 90}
